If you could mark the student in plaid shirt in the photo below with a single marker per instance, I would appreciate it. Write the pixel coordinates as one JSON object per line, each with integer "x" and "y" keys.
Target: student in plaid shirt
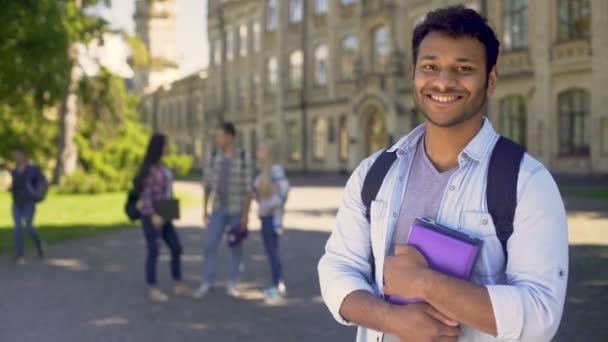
{"x": 229, "y": 177}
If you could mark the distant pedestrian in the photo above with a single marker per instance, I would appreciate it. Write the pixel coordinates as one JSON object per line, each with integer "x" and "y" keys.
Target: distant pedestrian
{"x": 28, "y": 186}
{"x": 229, "y": 178}
{"x": 153, "y": 183}
{"x": 271, "y": 188}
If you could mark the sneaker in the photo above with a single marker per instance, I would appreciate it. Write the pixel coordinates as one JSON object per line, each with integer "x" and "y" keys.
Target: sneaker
{"x": 202, "y": 291}
{"x": 232, "y": 291}
{"x": 282, "y": 289}
{"x": 182, "y": 290}
{"x": 20, "y": 261}
{"x": 272, "y": 295}
{"x": 157, "y": 295}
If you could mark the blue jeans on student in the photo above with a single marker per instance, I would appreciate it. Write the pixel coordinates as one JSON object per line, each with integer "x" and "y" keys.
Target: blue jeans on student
{"x": 169, "y": 235}
{"x": 271, "y": 243}
{"x": 24, "y": 213}
{"x": 218, "y": 222}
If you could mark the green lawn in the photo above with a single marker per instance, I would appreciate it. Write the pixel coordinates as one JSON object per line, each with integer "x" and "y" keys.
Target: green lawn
{"x": 597, "y": 193}
{"x": 64, "y": 217}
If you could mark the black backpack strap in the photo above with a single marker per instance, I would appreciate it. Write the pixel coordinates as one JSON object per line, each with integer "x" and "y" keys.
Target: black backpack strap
{"x": 501, "y": 190}
{"x": 375, "y": 177}
{"x": 369, "y": 191}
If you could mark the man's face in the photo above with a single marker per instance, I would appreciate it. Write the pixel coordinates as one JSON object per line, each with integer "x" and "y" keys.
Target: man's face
{"x": 222, "y": 138}
{"x": 450, "y": 79}
{"x": 19, "y": 157}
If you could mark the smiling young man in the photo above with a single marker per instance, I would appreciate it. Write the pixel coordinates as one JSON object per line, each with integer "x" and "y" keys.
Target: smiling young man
{"x": 441, "y": 172}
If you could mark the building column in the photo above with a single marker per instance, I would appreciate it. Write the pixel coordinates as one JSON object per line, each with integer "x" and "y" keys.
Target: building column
{"x": 599, "y": 102}
{"x": 542, "y": 117}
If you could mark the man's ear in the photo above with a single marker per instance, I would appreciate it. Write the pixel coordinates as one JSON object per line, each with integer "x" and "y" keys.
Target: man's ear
{"x": 492, "y": 80}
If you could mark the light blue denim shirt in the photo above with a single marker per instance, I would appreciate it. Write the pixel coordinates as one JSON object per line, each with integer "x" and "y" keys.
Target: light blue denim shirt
{"x": 527, "y": 295}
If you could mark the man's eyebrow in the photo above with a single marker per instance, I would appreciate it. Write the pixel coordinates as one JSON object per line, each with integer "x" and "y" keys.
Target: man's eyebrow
{"x": 429, "y": 57}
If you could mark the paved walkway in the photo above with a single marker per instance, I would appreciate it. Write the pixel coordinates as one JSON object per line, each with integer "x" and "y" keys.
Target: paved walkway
{"x": 93, "y": 289}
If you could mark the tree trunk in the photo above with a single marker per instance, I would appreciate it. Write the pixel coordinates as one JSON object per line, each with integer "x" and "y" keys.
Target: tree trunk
{"x": 67, "y": 156}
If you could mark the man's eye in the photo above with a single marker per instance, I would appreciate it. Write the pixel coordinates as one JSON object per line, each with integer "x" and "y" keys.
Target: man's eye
{"x": 429, "y": 67}
{"x": 465, "y": 69}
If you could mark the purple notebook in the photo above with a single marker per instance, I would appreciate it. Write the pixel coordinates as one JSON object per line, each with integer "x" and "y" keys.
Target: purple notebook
{"x": 447, "y": 251}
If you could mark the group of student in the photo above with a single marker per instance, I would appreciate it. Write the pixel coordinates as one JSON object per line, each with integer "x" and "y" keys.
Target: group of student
{"x": 229, "y": 180}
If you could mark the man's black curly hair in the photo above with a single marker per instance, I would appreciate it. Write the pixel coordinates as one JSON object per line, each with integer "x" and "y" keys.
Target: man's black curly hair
{"x": 458, "y": 21}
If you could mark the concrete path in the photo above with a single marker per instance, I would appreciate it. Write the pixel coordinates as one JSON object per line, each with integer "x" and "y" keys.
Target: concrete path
{"x": 93, "y": 289}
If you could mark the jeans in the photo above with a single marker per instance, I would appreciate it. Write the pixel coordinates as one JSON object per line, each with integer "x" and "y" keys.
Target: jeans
{"x": 24, "y": 212}
{"x": 169, "y": 235}
{"x": 271, "y": 243}
{"x": 218, "y": 222}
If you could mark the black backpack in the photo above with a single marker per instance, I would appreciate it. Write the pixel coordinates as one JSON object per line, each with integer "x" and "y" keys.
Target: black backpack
{"x": 39, "y": 184}
{"x": 501, "y": 191}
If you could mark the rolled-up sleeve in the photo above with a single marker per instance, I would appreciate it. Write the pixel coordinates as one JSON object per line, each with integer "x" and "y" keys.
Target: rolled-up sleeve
{"x": 345, "y": 266}
{"x": 529, "y": 307}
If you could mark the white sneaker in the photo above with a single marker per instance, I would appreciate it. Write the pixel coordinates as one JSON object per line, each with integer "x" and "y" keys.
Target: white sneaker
{"x": 157, "y": 295}
{"x": 232, "y": 291}
{"x": 272, "y": 295}
{"x": 202, "y": 291}
{"x": 282, "y": 289}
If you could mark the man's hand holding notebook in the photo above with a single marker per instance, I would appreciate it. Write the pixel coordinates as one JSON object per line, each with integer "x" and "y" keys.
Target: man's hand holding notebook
{"x": 430, "y": 246}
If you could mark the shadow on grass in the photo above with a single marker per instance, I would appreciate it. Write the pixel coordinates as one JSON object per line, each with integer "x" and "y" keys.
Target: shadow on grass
{"x": 52, "y": 234}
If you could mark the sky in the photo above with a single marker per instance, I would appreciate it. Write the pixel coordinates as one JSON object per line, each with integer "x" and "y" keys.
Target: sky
{"x": 191, "y": 37}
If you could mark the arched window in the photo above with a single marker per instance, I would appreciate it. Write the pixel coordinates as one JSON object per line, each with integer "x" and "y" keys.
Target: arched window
{"x": 321, "y": 58}
{"x": 513, "y": 121}
{"x": 350, "y": 44}
{"x": 574, "y": 123}
{"x": 319, "y": 139}
{"x": 296, "y": 61}
{"x": 381, "y": 48}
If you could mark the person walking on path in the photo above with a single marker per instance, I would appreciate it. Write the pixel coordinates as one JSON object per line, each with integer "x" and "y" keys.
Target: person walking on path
{"x": 271, "y": 188}
{"x": 456, "y": 170}
{"x": 154, "y": 183}
{"x": 26, "y": 180}
{"x": 229, "y": 177}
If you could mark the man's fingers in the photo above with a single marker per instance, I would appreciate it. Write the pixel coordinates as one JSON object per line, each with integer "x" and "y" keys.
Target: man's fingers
{"x": 402, "y": 249}
{"x": 441, "y": 317}
{"x": 448, "y": 339}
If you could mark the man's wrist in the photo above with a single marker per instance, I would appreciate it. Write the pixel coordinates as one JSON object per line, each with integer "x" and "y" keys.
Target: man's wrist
{"x": 424, "y": 284}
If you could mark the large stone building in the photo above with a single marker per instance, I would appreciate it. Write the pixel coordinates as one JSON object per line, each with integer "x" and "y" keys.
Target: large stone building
{"x": 330, "y": 80}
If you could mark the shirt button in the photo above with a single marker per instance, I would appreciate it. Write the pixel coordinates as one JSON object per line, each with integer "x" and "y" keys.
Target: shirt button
{"x": 394, "y": 214}
{"x": 452, "y": 187}
{"x": 484, "y": 222}
{"x": 401, "y": 179}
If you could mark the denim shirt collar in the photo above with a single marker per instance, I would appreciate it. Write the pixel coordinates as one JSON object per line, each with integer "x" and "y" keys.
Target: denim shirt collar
{"x": 477, "y": 149}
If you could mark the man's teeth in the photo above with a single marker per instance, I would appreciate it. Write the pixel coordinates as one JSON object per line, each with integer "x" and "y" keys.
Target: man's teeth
{"x": 444, "y": 99}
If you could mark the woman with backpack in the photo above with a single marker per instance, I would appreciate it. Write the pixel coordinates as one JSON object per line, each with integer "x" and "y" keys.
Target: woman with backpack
{"x": 271, "y": 188}
{"x": 28, "y": 186}
{"x": 153, "y": 183}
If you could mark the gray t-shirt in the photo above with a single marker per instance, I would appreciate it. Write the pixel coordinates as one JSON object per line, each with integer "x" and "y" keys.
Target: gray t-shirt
{"x": 224, "y": 178}
{"x": 425, "y": 188}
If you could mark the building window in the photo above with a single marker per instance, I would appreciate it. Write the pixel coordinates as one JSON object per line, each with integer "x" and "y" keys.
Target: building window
{"x": 381, "y": 47}
{"x": 257, "y": 37}
{"x": 347, "y": 2}
{"x": 272, "y": 15}
{"x": 271, "y": 131}
{"x": 296, "y": 61}
{"x": 243, "y": 40}
{"x": 515, "y": 24}
{"x": 217, "y": 52}
{"x": 296, "y": 8}
{"x": 350, "y": 45}
{"x": 240, "y": 93}
{"x": 295, "y": 141}
{"x": 255, "y": 84}
{"x": 321, "y": 58}
{"x": 320, "y": 7}
{"x": 319, "y": 138}
{"x": 513, "y": 120}
{"x": 574, "y": 19}
{"x": 574, "y": 123}
{"x": 272, "y": 73}
{"x": 343, "y": 138}
{"x": 229, "y": 44}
